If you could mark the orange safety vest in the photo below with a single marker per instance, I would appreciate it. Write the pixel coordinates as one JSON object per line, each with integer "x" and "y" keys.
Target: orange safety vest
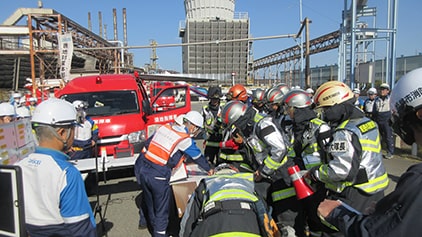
{"x": 163, "y": 144}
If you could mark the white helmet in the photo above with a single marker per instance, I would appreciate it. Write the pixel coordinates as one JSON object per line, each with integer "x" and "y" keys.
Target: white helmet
{"x": 32, "y": 99}
{"x": 55, "y": 112}
{"x": 179, "y": 119}
{"x": 6, "y": 109}
{"x": 195, "y": 118}
{"x": 297, "y": 99}
{"x": 23, "y": 112}
{"x": 232, "y": 111}
{"x": 80, "y": 105}
{"x": 385, "y": 86}
{"x": 310, "y": 91}
{"x": 372, "y": 91}
{"x": 283, "y": 88}
{"x": 331, "y": 93}
{"x": 356, "y": 91}
{"x": 405, "y": 104}
{"x": 16, "y": 95}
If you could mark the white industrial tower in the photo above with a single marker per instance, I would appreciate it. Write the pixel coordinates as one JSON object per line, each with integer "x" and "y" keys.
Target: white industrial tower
{"x": 210, "y": 22}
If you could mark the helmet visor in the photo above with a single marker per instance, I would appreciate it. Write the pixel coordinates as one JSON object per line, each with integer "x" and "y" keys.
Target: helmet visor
{"x": 403, "y": 126}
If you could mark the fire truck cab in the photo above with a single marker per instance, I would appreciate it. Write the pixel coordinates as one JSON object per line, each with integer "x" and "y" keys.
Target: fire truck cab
{"x": 166, "y": 101}
{"x": 124, "y": 113}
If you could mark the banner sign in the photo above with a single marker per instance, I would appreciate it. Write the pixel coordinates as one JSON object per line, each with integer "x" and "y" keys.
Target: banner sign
{"x": 65, "y": 55}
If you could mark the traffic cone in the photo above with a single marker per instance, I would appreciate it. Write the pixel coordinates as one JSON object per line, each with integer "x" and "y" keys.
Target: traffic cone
{"x": 302, "y": 188}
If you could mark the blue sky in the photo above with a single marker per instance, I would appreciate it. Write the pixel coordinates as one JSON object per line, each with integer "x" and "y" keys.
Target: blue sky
{"x": 159, "y": 20}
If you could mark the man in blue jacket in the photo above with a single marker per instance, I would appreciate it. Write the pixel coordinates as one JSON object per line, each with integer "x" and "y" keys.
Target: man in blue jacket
{"x": 55, "y": 200}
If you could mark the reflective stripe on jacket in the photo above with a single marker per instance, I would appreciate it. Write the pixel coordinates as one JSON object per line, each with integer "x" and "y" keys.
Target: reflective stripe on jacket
{"x": 230, "y": 187}
{"x": 311, "y": 151}
{"x": 372, "y": 176}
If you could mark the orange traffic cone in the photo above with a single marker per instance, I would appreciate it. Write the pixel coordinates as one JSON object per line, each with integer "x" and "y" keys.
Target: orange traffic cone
{"x": 302, "y": 188}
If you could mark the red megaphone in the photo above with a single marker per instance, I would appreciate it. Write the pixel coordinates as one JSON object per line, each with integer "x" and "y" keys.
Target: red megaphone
{"x": 302, "y": 188}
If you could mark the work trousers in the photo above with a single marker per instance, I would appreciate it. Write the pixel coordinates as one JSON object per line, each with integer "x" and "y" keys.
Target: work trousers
{"x": 157, "y": 193}
{"x": 387, "y": 135}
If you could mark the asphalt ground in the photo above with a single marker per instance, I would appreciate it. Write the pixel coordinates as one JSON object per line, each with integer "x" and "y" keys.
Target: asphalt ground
{"x": 117, "y": 190}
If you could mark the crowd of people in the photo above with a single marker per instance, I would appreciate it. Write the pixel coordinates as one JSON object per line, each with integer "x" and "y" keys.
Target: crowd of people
{"x": 251, "y": 142}
{"x": 332, "y": 134}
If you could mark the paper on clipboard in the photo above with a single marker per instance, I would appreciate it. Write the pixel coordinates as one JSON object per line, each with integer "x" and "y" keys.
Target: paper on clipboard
{"x": 179, "y": 173}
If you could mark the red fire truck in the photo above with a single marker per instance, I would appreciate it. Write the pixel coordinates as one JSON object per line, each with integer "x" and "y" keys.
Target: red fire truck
{"x": 166, "y": 101}
{"x": 124, "y": 113}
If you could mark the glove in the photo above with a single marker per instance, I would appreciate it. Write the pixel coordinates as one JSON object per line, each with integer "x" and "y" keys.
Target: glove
{"x": 311, "y": 174}
{"x": 238, "y": 139}
{"x": 229, "y": 144}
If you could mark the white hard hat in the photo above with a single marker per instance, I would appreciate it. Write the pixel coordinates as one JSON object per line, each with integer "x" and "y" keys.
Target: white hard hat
{"x": 372, "y": 91}
{"x": 179, "y": 119}
{"x": 23, "y": 112}
{"x": 195, "y": 118}
{"x": 54, "y": 112}
{"x": 309, "y": 91}
{"x": 32, "y": 99}
{"x": 79, "y": 104}
{"x": 297, "y": 99}
{"x": 356, "y": 91}
{"x": 22, "y": 100}
{"x": 16, "y": 95}
{"x": 331, "y": 93}
{"x": 6, "y": 109}
{"x": 385, "y": 86}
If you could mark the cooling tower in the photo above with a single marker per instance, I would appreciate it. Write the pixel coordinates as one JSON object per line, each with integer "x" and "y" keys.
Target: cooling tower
{"x": 209, "y": 9}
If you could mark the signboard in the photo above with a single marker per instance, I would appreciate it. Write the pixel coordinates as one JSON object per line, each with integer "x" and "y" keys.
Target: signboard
{"x": 16, "y": 141}
{"x": 65, "y": 55}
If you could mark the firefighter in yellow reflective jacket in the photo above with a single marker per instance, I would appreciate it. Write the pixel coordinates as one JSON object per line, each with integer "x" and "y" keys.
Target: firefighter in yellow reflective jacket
{"x": 227, "y": 204}
{"x": 354, "y": 172}
{"x": 233, "y": 150}
{"x": 310, "y": 136}
{"x": 269, "y": 149}
{"x": 212, "y": 123}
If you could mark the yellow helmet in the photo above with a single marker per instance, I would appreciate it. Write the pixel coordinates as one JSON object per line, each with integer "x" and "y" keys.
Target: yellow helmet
{"x": 331, "y": 93}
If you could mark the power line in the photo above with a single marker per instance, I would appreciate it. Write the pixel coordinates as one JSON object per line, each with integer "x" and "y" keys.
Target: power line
{"x": 192, "y": 43}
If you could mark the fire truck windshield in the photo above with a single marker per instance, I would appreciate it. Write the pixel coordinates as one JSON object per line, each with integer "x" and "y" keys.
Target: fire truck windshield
{"x": 106, "y": 103}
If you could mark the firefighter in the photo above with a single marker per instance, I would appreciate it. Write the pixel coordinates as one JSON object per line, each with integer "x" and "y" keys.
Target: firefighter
{"x": 354, "y": 171}
{"x": 273, "y": 98}
{"x": 230, "y": 151}
{"x": 211, "y": 114}
{"x": 227, "y": 204}
{"x": 258, "y": 100}
{"x": 310, "y": 137}
{"x": 233, "y": 151}
{"x": 237, "y": 92}
{"x": 397, "y": 214}
{"x": 86, "y": 135}
{"x": 164, "y": 151}
{"x": 269, "y": 147}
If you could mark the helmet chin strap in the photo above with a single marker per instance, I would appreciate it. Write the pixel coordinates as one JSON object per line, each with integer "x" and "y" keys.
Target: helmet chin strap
{"x": 65, "y": 145}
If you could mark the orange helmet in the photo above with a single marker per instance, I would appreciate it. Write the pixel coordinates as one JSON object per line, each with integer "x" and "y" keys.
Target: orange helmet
{"x": 237, "y": 92}
{"x": 331, "y": 93}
